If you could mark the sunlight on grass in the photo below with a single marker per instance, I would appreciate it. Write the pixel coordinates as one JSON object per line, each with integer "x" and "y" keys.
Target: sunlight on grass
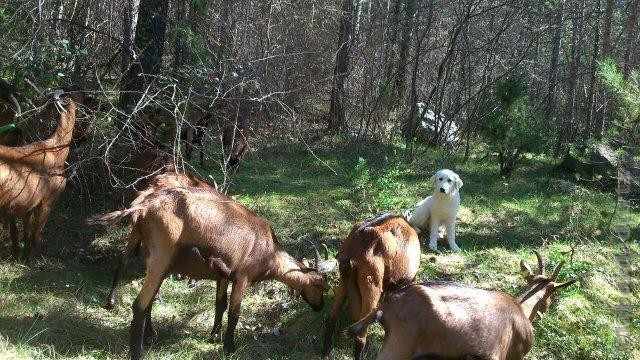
{"x": 55, "y": 310}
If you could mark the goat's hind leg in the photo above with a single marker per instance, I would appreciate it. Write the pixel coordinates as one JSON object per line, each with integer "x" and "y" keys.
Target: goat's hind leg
{"x": 221, "y": 307}
{"x": 370, "y": 292}
{"x": 237, "y": 293}
{"x": 133, "y": 240}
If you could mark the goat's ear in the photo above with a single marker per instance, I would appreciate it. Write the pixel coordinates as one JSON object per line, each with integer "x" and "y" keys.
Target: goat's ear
{"x": 525, "y": 269}
{"x": 564, "y": 284}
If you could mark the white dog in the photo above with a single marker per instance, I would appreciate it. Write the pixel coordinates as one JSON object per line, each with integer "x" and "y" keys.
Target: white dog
{"x": 439, "y": 209}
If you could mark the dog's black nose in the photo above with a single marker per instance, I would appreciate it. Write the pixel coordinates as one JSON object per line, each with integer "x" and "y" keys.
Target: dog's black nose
{"x": 442, "y": 190}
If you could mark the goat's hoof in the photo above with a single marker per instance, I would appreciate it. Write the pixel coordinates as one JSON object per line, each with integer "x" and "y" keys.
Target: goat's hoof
{"x": 150, "y": 336}
{"x": 214, "y": 339}
{"x": 110, "y": 304}
{"x": 229, "y": 348}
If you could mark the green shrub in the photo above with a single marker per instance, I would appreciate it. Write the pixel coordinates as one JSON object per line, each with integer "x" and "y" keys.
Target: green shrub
{"x": 512, "y": 128}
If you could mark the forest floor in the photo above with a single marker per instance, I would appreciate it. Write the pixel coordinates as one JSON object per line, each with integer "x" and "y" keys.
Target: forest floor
{"x": 316, "y": 192}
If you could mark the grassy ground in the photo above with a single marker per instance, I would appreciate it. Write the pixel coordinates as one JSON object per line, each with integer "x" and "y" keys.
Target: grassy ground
{"x": 316, "y": 192}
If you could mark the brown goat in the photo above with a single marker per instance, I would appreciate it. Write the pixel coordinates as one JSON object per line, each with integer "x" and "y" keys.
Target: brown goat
{"x": 234, "y": 142}
{"x": 378, "y": 256}
{"x": 205, "y": 234}
{"x": 162, "y": 181}
{"x": 194, "y": 134}
{"x": 449, "y": 321}
{"x": 32, "y": 177}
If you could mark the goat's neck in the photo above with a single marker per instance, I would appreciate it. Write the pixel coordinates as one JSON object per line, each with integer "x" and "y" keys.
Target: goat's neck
{"x": 288, "y": 270}
{"x": 531, "y": 300}
{"x": 35, "y": 153}
{"x": 64, "y": 131}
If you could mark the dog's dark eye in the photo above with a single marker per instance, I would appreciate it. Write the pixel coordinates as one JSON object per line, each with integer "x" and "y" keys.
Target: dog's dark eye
{"x": 449, "y": 180}
{"x": 440, "y": 179}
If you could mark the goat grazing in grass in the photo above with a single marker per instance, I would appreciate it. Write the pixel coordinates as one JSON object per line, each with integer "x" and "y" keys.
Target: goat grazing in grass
{"x": 150, "y": 160}
{"x": 33, "y": 176}
{"x": 448, "y": 321}
{"x": 207, "y": 235}
{"x": 378, "y": 255}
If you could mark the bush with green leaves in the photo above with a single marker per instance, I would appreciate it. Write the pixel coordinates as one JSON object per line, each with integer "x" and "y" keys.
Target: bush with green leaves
{"x": 626, "y": 91}
{"x": 512, "y": 128}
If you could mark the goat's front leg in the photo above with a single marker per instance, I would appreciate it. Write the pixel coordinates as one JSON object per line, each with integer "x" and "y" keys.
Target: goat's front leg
{"x": 330, "y": 321}
{"x": 221, "y": 307}
{"x": 13, "y": 231}
{"x": 433, "y": 234}
{"x": 370, "y": 285}
{"x": 451, "y": 235}
{"x": 39, "y": 220}
{"x": 150, "y": 334}
{"x": 237, "y": 292}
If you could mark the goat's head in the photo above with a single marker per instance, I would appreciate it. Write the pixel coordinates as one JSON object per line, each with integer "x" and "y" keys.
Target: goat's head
{"x": 313, "y": 292}
{"x": 540, "y": 282}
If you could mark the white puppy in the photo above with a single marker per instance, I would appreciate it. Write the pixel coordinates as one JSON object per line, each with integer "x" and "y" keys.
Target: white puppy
{"x": 439, "y": 209}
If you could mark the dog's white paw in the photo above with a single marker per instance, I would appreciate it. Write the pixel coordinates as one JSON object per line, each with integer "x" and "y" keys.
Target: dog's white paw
{"x": 433, "y": 246}
{"x": 455, "y": 248}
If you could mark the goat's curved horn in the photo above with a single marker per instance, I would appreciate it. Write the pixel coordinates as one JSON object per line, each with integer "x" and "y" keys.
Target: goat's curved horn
{"x": 525, "y": 269}
{"x": 540, "y": 262}
{"x": 556, "y": 271}
{"x": 317, "y": 253}
{"x": 15, "y": 104}
{"x": 564, "y": 284}
{"x": 326, "y": 251}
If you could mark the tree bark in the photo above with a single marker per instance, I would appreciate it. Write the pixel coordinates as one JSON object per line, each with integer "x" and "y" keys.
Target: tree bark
{"x": 337, "y": 117}
{"x": 555, "y": 59}
{"x": 632, "y": 38}
{"x": 149, "y": 42}
{"x": 600, "y": 99}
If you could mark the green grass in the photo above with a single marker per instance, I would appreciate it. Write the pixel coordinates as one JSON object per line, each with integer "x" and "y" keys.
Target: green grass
{"x": 55, "y": 310}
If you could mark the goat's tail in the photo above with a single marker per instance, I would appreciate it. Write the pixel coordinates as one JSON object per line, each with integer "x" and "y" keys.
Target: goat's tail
{"x": 112, "y": 217}
{"x": 361, "y": 326}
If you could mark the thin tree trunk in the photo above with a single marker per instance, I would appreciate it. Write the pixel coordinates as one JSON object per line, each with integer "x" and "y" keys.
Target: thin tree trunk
{"x": 409, "y": 13}
{"x": 129, "y": 22}
{"x": 337, "y": 117}
{"x": 632, "y": 38}
{"x": 564, "y": 134}
{"x": 600, "y": 99}
{"x": 555, "y": 59}
{"x": 149, "y": 42}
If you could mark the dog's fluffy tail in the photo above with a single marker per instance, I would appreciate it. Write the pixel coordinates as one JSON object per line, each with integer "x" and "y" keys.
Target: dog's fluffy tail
{"x": 361, "y": 326}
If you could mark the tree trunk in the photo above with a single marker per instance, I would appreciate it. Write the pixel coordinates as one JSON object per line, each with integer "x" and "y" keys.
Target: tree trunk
{"x": 337, "y": 118}
{"x": 409, "y": 13}
{"x": 129, "y": 23}
{"x": 555, "y": 59}
{"x": 565, "y": 133}
{"x": 632, "y": 38}
{"x": 600, "y": 99}
{"x": 149, "y": 42}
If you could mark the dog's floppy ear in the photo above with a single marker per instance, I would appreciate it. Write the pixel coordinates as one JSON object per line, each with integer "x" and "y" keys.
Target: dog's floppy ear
{"x": 459, "y": 182}
{"x": 433, "y": 178}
